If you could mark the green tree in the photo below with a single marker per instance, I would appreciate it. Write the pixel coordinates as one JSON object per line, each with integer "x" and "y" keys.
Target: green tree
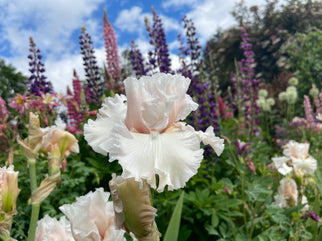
{"x": 306, "y": 60}
{"x": 11, "y": 81}
{"x": 271, "y": 30}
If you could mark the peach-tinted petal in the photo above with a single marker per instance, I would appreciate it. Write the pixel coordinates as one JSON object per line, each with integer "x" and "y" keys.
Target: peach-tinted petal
{"x": 156, "y": 102}
{"x": 50, "y": 229}
{"x": 91, "y": 217}
{"x": 297, "y": 150}
{"x": 97, "y": 132}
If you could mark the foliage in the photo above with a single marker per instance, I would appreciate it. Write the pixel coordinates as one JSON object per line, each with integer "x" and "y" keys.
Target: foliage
{"x": 305, "y": 59}
{"x": 11, "y": 81}
{"x": 270, "y": 29}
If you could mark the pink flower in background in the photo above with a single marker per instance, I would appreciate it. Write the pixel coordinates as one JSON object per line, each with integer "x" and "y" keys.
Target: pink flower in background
{"x": 20, "y": 103}
{"x": 92, "y": 218}
{"x": 50, "y": 229}
{"x": 144, "y": 132}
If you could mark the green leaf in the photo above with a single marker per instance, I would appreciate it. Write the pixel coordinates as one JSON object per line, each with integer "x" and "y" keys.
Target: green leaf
{"x": 172, "y": 232}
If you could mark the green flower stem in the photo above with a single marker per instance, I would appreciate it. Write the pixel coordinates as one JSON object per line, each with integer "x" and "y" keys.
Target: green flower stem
{"x": 242, "y": 177}
{"x": 35, "y": 207}
{"x": 33, "y": 221}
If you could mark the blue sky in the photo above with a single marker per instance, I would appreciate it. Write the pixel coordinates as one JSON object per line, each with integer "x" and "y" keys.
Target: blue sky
{"x": 55, "y": 27}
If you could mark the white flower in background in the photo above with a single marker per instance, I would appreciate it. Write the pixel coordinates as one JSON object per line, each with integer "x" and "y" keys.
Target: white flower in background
{"x": 287, "y": 193}
{"x": 144, "y": 133}
{"x": 296, "y": 150}
{"x": 50, "y": 229}
{"x": 299, "y": 154}
{"x": 281, "y": 164}
{"x": 92, "y": 218}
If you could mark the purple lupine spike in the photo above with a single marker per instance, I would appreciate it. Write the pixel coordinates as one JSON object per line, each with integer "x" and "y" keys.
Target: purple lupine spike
{"x": 112, "y": 60}
{"x": 37, "y": 80}
{"x": 94, "y": 88}
{"x": 160, "y": 57}
{"x": 189, "y": 55}
{"x": 246, "y": 85}
{"x": 137, "y": 60}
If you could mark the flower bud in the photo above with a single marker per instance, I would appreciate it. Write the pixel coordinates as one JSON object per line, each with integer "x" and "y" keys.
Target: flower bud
{"x": 9, "y": 189}
{"x": 133, "y": 208}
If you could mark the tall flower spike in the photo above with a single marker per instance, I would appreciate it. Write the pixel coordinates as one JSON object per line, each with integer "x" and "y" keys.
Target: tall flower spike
{"x": 94, "y": 88}
{"x": 189, "y": 55}
{"x": 160, "y": 57}
{"x": 76, "y": 111}
{"x": 112, "y": 60}
{"x": 37, "y": 80}
{"x": 137, "y": 60}
{"x": 146, "y": 135}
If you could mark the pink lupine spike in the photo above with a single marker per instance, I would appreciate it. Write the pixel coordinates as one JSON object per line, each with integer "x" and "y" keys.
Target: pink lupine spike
{"x": 308, "y": 109}
{"x": 114, "y": 69}
{"x": 77, "y": 86}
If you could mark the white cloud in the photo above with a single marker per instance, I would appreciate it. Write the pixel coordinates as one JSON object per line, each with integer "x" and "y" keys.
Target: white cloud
{"x": 209, "y": 15}
{"x": 178, "y": 3}
{"x": 50, "y": 23}
{"x": 131, "y": 20}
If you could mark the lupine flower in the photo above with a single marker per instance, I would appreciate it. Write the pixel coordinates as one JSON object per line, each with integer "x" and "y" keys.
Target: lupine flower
{"x": 112, "y": 60}
{"x": 77, "y": 111}
{"x": 224, "y": 113}
{"x": 145, "y": 134}
{"x": 37, "y": 81}
{"x": 287, "y": 193}
{"x": 94, "y": 88}
{"x": 137, "y": 60}
{"x": 160, "y": 57}
{"x": 250, "y": 84}
{"x": 92, "y": 218}
{"x": 50, "y": 229}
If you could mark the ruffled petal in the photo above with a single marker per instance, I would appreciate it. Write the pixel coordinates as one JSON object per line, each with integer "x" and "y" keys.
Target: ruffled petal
{"x": 297, "y": 150}
{"x": 50, "y": 229}
{"x": 156, "y": 102}
{"x": 281, "y": 165}
{"x": 208, "y": 138}
{"x": 91, "y": 216}
{"x": 306, "y": 166}
{"x": 97, "y": 132}
{"x": 174, "y": 156}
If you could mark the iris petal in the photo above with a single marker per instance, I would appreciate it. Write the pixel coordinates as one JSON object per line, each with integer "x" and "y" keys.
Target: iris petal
{"x": 174, "y": 156}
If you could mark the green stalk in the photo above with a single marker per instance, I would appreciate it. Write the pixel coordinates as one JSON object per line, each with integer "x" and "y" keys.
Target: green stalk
{"x": 35, "y": 207}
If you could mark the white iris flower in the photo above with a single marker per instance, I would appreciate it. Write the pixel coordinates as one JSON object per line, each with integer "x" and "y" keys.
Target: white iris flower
{"x": 144, "y": 132}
